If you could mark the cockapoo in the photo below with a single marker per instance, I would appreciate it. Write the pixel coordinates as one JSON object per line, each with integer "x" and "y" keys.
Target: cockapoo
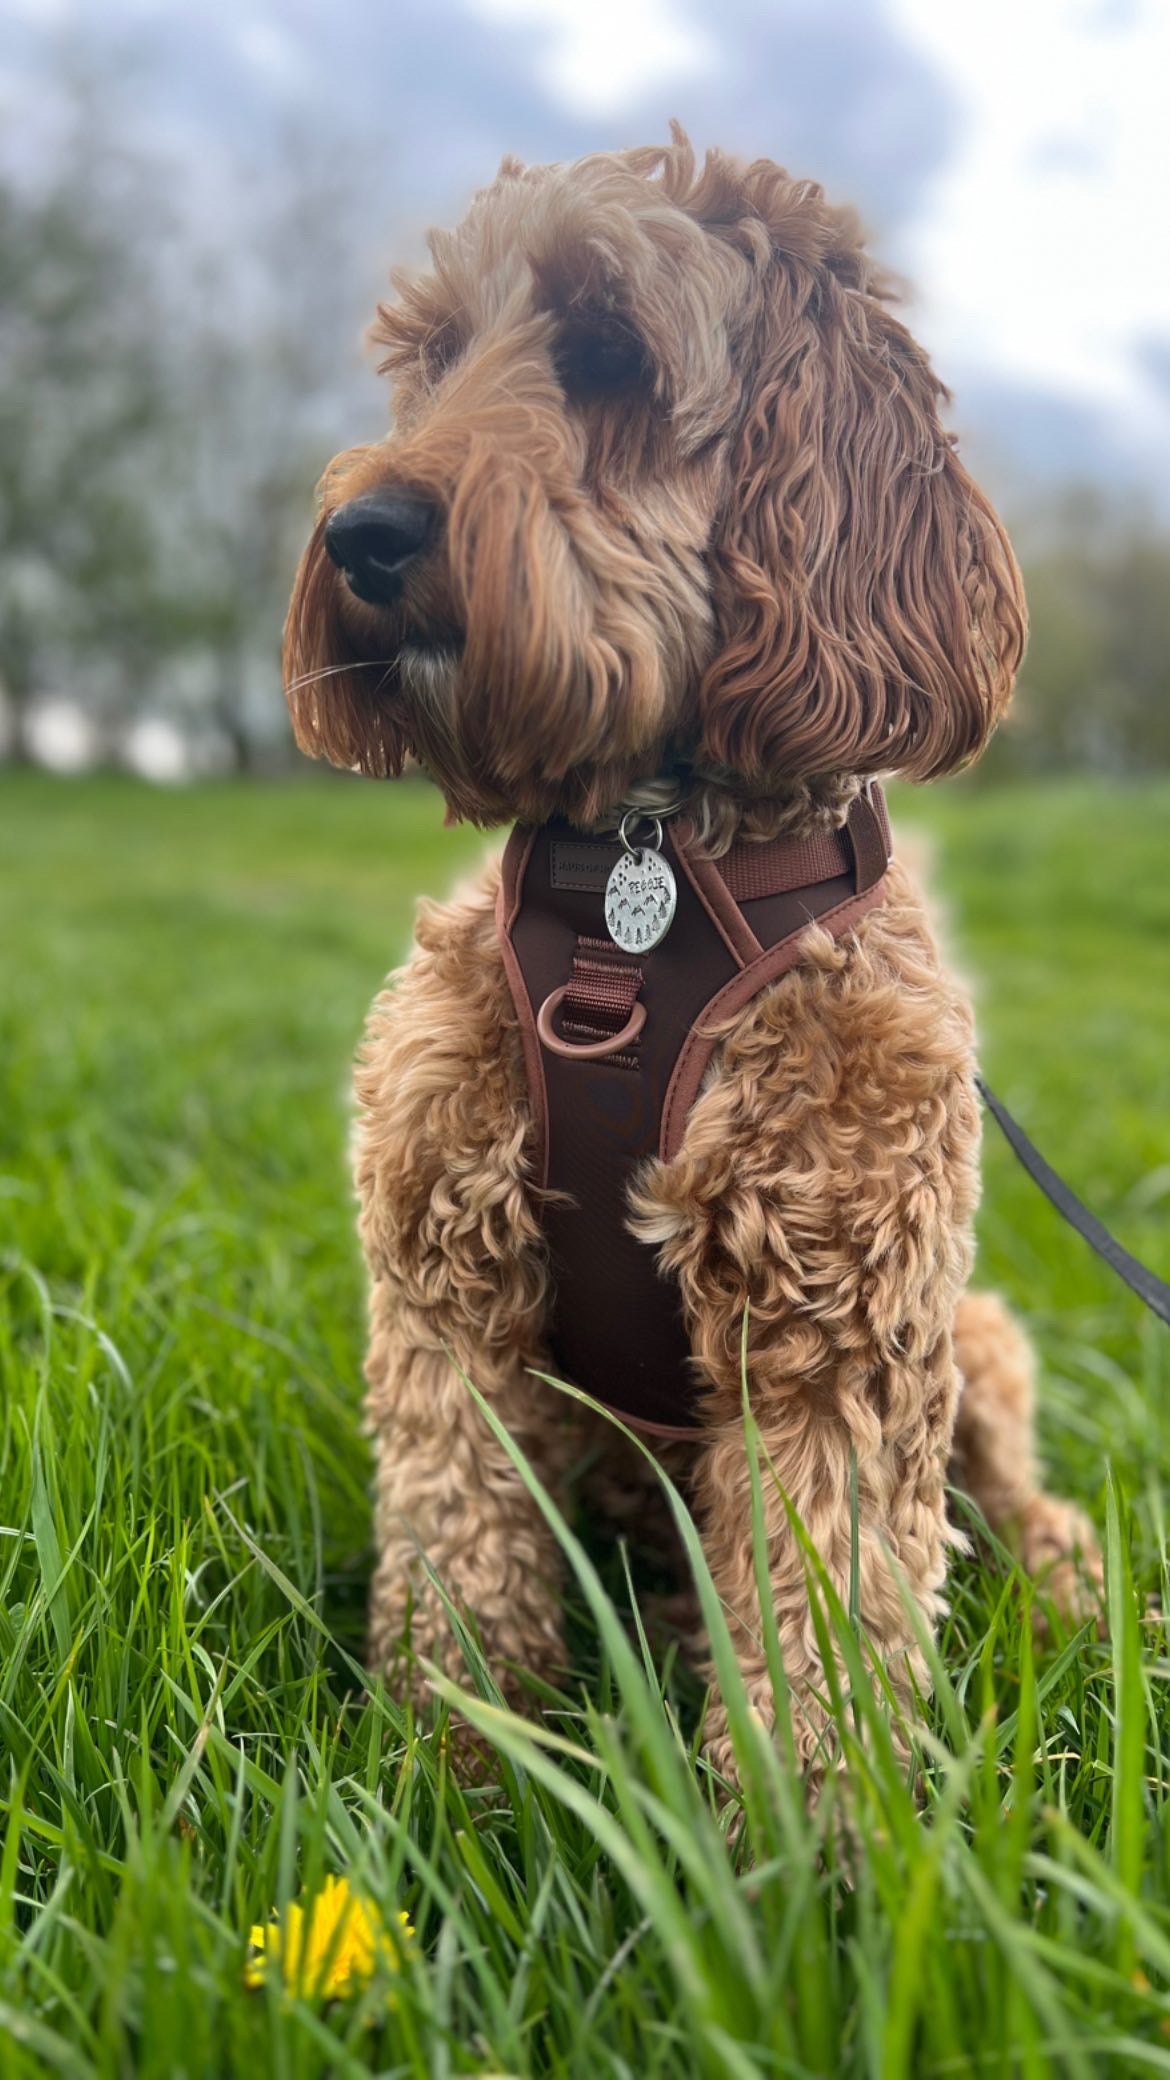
{"x": 666, "y": 558}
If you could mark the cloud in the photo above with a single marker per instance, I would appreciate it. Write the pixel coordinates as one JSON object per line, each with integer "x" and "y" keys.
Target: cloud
{"x": 1153, "y": 358}
{"x": 599, "y": 59}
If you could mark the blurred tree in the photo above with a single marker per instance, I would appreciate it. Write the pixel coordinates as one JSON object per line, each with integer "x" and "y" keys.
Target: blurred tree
{"x": 271, "y": 329}
{"x": 169, "y": 398}
{"x": 1095, "y": 689}
{"x": 83, "y": 417}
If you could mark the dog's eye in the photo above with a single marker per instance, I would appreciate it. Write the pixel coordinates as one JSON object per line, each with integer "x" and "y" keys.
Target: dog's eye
{"x": 600, "y": 361}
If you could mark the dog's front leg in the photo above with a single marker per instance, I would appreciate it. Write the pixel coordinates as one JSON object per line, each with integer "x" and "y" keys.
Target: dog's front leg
{"x": 826, "y": 1185}
{"x": 449, "y": 1499}
{"x": 458, "y": 1288}
{"x": 810, "y": 1442}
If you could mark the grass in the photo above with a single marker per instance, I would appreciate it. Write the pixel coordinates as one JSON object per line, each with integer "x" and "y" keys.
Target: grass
{"x": 186, "y": 1736}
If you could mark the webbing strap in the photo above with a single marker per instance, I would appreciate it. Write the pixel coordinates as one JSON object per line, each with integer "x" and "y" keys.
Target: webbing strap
{"x": 754, "y": 870}
{"x": 601, "y": 991}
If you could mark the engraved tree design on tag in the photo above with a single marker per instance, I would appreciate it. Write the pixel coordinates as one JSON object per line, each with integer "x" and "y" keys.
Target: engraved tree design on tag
{"x": 640, "y": 899}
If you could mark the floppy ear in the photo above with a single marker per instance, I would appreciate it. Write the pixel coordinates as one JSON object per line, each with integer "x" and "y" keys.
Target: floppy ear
{"x": 336, "y": 691}
{"x": 869, "y": 611}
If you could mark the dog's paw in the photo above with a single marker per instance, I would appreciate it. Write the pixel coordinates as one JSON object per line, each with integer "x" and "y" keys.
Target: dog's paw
{"x": 1058, "y": 1549}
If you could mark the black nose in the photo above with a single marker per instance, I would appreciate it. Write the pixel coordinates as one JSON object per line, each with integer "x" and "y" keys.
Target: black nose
{"x": 376, "y": 538}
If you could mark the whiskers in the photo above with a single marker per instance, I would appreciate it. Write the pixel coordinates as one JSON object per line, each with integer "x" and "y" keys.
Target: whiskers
{"x": 334, "y": 671}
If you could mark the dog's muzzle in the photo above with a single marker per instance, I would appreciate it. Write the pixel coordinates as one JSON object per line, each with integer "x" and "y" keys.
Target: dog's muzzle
{"x": 375, "y": 539}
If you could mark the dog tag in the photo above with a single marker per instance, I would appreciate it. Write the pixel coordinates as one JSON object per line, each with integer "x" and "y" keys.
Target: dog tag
{"x": 640, "y": 896}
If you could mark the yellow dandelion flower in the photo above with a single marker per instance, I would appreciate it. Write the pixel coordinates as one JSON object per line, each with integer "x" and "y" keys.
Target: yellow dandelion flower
{"x": 328, "y": 1947}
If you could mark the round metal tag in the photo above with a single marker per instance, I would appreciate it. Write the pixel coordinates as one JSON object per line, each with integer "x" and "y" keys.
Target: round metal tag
{"x": 640, "y": 899}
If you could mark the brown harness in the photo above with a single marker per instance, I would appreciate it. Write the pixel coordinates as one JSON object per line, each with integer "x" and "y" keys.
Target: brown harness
{"x": 616, "y": 1046}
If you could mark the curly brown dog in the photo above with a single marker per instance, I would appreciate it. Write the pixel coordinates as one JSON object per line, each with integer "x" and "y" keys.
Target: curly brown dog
{"x": 667, "y": 520}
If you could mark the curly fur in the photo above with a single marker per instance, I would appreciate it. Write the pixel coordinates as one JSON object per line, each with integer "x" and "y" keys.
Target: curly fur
{"x": 742, "y": 580}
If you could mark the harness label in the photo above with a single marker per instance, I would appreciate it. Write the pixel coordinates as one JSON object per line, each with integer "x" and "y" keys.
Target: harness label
{"x": 583, "y": 864}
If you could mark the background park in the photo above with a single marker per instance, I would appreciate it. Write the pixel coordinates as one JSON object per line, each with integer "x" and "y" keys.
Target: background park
{"x": 198, "y": 209}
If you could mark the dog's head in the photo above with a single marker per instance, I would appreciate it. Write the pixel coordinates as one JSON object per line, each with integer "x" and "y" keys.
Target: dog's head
{"x": 666, "y": 489}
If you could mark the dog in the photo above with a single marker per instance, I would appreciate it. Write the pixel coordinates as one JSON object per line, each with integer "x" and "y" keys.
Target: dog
{"x": 668, "y": 527}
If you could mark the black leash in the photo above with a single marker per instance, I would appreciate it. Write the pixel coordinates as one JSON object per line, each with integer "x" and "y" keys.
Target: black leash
{"x": 1138, "y": 1277}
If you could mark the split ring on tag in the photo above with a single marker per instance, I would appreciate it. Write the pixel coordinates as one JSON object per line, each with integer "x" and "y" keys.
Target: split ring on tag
{"x": 641, "y": 894}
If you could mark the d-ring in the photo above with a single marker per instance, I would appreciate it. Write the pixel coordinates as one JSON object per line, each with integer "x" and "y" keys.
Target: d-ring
{"x": 641, "y": 816}
{"x": 589, "y": 1050}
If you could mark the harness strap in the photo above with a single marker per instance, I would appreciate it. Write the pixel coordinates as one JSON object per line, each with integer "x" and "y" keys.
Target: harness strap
{"x": 752, "y": 871}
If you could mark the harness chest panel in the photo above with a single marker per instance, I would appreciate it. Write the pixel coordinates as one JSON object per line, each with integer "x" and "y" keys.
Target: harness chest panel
{"x": 615, "y": 1047}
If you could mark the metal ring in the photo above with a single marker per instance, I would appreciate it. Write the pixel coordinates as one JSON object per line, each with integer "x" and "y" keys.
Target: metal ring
{"x": 642, "y": 815}
{"x": 589, "y": 1050}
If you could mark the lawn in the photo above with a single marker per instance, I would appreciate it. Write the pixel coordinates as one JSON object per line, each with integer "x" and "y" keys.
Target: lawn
{"x": 186, "y": 1736}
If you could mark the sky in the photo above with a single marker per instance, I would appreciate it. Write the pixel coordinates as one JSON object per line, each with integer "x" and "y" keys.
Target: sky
{"x": 1012, "y": 157}
{"x": 1045, "y": 245}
